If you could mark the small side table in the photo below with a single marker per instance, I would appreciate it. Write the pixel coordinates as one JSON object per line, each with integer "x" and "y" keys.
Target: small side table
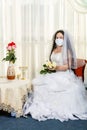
{"x": 13, "y": 94}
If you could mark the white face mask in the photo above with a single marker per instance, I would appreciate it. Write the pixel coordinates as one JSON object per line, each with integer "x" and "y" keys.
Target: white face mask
{"x": 59, "y": 41}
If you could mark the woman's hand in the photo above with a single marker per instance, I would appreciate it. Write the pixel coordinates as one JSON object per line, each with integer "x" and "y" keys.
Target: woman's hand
{"x": 51, "y": 65}
{"x": 53, "y": 68}
{"x": 62, "y": 68}
{"x": 59, "y": 68}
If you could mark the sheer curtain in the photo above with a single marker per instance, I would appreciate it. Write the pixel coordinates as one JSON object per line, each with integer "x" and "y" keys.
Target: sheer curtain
{"x": 31, "y": 25}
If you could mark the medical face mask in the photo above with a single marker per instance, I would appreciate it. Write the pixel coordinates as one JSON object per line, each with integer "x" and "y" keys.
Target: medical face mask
{"x": 59, "y": 41}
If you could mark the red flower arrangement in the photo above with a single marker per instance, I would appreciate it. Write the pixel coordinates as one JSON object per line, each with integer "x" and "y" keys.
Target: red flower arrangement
{"x": 10, "y": 55}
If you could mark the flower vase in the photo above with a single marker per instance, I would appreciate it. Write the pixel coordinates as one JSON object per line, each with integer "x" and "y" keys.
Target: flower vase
{"x": 11, "y": 71}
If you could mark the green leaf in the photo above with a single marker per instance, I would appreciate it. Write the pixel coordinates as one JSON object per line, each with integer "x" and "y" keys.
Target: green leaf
{"x": 44, "y": 65}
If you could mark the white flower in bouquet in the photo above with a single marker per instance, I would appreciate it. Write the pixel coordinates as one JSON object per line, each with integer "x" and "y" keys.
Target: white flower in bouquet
{"x": 48, "y": 67}
{"x": 50, "y": 64}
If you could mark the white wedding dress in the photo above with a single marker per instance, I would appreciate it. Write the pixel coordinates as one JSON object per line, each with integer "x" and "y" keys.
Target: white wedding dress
{"x": 60, "y": 95}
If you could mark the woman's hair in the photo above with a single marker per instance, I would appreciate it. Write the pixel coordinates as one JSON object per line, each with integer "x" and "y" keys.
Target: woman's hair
{"x": 54, "y": 44}
{"x": 68, "y": 50}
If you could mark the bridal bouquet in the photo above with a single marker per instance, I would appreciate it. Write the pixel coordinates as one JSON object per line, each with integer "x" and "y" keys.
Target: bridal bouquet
{"x": 48, "y": 67}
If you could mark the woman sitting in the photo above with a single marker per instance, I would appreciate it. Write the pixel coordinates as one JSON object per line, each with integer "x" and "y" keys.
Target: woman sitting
{"x": 60, "y": 95}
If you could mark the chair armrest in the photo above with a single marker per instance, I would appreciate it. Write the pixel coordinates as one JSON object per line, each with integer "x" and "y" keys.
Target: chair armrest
{"x": 85, "y": 61}
{"x": 81, "y": 63}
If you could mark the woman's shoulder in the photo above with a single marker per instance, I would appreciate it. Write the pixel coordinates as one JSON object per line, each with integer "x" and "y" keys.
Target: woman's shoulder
{"x": 55, "y": 51}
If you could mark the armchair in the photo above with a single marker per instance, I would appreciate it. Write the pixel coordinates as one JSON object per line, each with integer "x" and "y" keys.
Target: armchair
{"x": 81, "y": 64}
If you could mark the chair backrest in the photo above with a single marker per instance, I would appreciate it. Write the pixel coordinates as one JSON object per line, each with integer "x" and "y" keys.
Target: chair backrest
{"x": 81, "y": 63}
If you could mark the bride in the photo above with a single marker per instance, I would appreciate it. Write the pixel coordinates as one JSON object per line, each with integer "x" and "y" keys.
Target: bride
{"x": 60, "y": 95}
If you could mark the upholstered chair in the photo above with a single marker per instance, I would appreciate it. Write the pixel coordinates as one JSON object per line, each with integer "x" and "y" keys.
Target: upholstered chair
{"x": 81, "y": 64}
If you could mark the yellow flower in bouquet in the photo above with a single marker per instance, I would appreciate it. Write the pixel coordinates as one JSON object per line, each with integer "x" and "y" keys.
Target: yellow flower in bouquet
{"x": 50, "y": 64}
{"x": 48, "y": 67}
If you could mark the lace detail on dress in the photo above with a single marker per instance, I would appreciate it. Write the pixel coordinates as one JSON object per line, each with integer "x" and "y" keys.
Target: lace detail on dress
{"x": 57, "y": 57}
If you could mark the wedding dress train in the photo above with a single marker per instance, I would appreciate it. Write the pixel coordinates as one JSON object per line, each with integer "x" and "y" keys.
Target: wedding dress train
{"x": 60, "y": 95}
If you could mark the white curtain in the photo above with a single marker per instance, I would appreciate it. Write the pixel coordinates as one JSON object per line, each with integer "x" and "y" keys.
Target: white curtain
{"x": 31, "y": 25}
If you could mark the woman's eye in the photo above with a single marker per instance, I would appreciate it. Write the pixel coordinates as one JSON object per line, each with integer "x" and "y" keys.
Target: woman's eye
{"x": 59, "y": 38}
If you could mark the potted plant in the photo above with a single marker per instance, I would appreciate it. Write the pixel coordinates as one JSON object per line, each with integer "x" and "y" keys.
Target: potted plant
{"x": 10, "y": 56}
